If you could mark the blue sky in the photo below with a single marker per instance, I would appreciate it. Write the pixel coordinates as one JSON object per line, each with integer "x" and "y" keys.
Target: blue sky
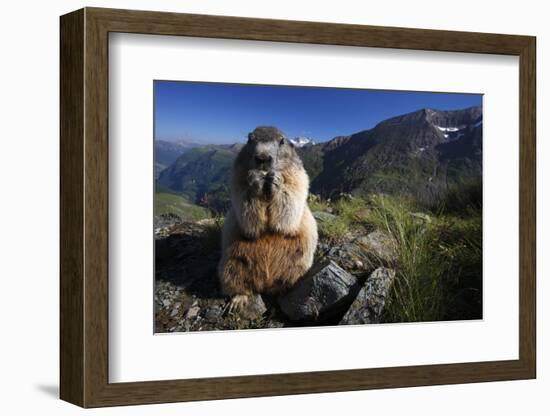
{"x": 226, "y": 113}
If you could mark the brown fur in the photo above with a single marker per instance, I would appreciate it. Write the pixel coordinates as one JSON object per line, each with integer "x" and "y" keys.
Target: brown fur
{"x": 269, "y": 237}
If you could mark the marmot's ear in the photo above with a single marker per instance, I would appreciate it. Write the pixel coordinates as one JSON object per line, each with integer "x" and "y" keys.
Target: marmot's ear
{"x": 251, "y": 137}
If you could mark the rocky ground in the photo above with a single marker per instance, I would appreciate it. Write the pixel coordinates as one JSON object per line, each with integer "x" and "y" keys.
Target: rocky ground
{"x": 348, "y": 283}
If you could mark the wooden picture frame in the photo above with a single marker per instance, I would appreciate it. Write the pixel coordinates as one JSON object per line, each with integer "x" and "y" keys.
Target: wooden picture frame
{"x": 84, "y": 207}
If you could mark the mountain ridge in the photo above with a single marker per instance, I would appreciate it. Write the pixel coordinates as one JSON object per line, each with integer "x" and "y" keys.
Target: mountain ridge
{"x": 400, "y": 150}
{"x": 419, "y": 154}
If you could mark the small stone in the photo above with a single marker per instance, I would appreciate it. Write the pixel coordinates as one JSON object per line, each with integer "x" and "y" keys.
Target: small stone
{"x": 274, "y": 324}
{"x": 254, "y": 309}
{"x": 323, "y": 216}
{"x": 165, "y": 303}
{"x": 207, "y": 221}
{"x": 192, "y": 312}
{"x": 213, "y": 313}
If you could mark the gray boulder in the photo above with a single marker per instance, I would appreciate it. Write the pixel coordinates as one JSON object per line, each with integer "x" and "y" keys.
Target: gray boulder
{"x": 322, "y": 291}
{"x": 351, "y": 256}
{"x": 365, "y": 253}
{"x": 368, "y": 306}
{"x": 379, "y": 244}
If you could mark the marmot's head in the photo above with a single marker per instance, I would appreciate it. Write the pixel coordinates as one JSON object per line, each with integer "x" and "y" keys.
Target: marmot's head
{"x": 268, "y": 149}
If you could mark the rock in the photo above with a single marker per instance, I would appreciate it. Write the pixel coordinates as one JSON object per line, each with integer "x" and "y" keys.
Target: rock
{"x": 379, "y": 244}
{"x": 345, "y": 196}
{"x": 192, "y": 312}
{"x": 187, "y": 258}
{"x": 313, "y": 198}
{"x": 272, "y": 324}
{"x": 323, "y": 216}
{"x": 207, "y": 221}
{"x": 321, "y": 291}
{"x": 213, "y": 313}
{"x": 350, "y": 256}
{"x": 421, "y": 217}
{"x": 254, "y": 309}
{"x": 368, "y": 306}
{"x": 364, "y": 253}
{"x": 163, "y": 224}
{"x": 360, "y": 252}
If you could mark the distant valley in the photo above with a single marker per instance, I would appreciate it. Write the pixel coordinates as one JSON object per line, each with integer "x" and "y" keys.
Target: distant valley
{"x": 166, "y": 152}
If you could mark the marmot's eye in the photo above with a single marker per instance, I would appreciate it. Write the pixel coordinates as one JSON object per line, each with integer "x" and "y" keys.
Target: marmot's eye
{"x": 282, "y": 142}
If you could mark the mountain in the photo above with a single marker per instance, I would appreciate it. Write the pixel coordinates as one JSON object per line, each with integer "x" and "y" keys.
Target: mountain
{"x": 301, "y": 141}
{"x": 201, "y": 175}
{"x": 166, "y": 152}
{"x": 420, "y": 154}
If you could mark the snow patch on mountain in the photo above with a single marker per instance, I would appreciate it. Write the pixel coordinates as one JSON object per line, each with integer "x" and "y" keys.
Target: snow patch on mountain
{"x": 448, "y": 128}
{"x": 301, "y": 141}
{"x": 453, "y": 133}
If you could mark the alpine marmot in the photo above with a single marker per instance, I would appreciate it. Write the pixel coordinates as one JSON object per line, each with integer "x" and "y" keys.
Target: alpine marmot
{"x": 269, "y": 234}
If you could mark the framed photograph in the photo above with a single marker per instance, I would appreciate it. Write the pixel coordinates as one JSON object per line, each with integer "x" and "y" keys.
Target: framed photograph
{"x": 255, "y": 207}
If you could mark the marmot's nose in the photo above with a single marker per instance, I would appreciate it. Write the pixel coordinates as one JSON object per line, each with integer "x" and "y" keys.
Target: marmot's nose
{"x": 263, "y": 159}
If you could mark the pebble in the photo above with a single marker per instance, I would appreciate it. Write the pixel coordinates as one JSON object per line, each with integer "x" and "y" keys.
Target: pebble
{"x": 192, "y": 312}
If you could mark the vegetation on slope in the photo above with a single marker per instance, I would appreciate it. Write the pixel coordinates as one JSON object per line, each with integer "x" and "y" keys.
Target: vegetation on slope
{"x": 438, "y": 250}
{"x": 169, "y": 203}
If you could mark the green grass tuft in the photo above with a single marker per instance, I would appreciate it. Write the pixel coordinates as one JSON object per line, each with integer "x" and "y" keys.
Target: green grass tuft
{"x": 333, "y": 231}
{"x": 439, "y": 264}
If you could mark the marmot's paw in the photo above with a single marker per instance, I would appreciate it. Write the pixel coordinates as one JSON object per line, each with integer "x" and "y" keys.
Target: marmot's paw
{"x": 256, "y": 179}
{"x": 237, "y": 303}
{"x": 274, "y": 178}
{"x": 273, "y": 181}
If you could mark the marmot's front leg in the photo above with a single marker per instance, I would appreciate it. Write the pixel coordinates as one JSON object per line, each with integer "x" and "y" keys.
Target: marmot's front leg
{"x": 236, "y": 280}
{"x": 252, "y": 218}
{"x": 287, "y": 203}
{"x": 250, "y": 209}
{"x": 272, "y": 184}
{"x": 233, "y": 270}
{"x": 256, "y": 180}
